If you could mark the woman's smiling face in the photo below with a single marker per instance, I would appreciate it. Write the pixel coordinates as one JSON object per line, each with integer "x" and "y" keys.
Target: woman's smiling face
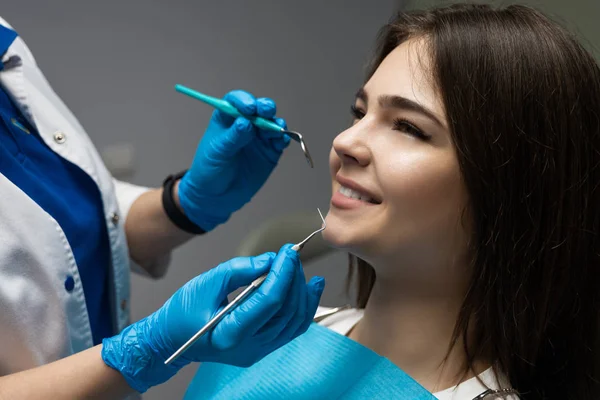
{"x": 397, "y": 189}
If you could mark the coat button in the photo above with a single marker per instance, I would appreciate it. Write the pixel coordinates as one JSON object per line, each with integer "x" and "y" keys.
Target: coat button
{"x": 69, "y": 284}
{"x": 60, "y": 137}
{"x": 114, "y": 217}
{"x": 123, "y": 304}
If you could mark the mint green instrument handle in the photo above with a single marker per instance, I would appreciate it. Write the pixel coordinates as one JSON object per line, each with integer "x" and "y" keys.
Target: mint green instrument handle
{"x": 227, "y": 108}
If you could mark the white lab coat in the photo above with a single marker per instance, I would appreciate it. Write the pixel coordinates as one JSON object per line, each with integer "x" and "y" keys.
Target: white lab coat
{"x": 40, "y": 321}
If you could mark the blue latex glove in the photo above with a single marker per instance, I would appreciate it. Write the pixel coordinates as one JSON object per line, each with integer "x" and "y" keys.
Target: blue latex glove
{"x": 232, "y": 162}
{"x": 278, "y": 311}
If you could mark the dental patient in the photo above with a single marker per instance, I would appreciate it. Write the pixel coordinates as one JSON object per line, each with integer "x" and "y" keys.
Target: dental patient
{"x": 466, "y": 192}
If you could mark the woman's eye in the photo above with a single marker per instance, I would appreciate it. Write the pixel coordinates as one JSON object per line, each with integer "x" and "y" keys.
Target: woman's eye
{"x": 409, "y": 128}
{"x": 357, "y": 113}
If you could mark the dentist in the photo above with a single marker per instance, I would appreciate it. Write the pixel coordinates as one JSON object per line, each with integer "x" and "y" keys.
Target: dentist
{"x": 70, "y": 233}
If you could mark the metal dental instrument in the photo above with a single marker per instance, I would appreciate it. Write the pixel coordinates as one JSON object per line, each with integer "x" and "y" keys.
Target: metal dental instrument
{"x": 259, "y": 122}
{"x": 237, "y": 301}
{"x": 335, "y": 310}
{"x": 299, "y": 246}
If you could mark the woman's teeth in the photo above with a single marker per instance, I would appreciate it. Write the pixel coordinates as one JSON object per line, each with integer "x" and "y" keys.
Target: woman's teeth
{"x": 353, "y": 194}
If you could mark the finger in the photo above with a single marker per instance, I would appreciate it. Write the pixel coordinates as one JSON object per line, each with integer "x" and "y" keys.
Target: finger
{"x": 274, "y": 140}
{"x": 283, "y": 141}
{"x": 269, "y": 134}
{"x": 281, "y": 275}
{"x": 262, "y": 305}
{"x": 241, "y": 271}
{"x": 266, "y": 108}
{"x": 314, "y": 291}
{"x": 290, "y": 316}
{"x": 222, "y": 118}
{"x": 281, "y": 122}
{"x": 243, "y": 101}
{"x": 299, "y": 307}
{"x": 271, "y": 330}
{"x": 235, "y": 138}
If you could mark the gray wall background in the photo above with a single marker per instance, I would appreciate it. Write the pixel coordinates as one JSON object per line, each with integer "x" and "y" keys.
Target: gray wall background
{"x": 115, "y": 63}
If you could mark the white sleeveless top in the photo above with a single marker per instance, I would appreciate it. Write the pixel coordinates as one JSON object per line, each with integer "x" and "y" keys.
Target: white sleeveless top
{"x": 343, "y": 321}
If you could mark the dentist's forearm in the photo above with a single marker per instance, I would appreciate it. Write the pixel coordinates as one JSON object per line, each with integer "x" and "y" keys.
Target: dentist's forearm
{"x": 151, "y": 235}
{"x": 80, "y": 376}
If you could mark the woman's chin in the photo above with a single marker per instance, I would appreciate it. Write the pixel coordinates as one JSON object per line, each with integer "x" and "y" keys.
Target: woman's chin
{"x": 347, "y": 237}
{"x": 345, "y": 243}
{"x": 341, "y": 240}
{"x": 334, "y": 239}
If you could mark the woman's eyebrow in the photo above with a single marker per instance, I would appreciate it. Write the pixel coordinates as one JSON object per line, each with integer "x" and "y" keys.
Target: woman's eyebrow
{"x": 392, "y": 101}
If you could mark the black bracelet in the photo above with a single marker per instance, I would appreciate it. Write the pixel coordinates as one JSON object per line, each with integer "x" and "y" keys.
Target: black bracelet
{"x": 173, "y": 212}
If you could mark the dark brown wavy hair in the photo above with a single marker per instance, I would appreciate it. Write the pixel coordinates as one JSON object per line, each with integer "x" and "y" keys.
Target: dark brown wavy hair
{"x": 522, "y": 99}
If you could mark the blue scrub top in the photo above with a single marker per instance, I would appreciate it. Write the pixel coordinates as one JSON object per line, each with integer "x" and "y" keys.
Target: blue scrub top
{"x": 66, "y": 193}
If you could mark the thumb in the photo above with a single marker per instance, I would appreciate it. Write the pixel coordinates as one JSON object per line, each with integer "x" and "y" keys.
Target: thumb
{"x": 242, "y": 271}
{"x": 227, "y": 144}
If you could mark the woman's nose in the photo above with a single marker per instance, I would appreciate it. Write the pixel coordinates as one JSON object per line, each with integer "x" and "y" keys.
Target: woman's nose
{"x": 351, "y": 146}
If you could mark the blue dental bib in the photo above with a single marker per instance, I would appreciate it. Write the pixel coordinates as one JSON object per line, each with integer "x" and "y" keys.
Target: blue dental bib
{"x": 320, "y": 364}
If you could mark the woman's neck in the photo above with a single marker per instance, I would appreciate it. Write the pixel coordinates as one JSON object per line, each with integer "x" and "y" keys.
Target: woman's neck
{"x": 414, "y": 332}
